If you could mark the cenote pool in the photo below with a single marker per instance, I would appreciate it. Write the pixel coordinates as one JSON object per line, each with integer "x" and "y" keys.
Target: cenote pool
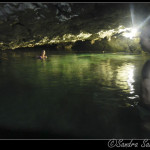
{"x": 70, "y": 95}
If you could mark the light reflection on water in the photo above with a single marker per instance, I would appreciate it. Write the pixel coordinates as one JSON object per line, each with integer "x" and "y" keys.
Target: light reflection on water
{"x": 125, "y": 78}
{"x": 77, "y": 94}
{"x": 87, "y": 69}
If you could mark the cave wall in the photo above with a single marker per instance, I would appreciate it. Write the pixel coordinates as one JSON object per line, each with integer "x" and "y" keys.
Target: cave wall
{"x": 38, "y": 24}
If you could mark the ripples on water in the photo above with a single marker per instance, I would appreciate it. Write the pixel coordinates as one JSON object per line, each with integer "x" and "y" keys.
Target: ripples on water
{"x": 70, "y": 95}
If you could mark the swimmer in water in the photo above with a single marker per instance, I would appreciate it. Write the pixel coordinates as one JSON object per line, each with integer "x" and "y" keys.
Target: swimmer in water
{"x": 43, "y": 55}
{"x": 145, "y": 85}
{"x": 144, "y": 103}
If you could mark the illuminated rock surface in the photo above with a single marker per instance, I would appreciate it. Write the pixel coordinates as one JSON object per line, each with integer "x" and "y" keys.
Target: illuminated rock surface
{"x": 71, "y": 26}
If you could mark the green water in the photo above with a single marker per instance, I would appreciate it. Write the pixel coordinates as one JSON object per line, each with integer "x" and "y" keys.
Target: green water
{"x": 69, "y": 95}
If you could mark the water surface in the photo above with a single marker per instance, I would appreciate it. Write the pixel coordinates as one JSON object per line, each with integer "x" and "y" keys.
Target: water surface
{"x": 69, "y": 95}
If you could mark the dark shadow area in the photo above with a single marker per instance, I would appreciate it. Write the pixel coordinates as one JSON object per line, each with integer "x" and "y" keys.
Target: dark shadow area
{"x": 129, "y": 124}
{"x": 27, "y": 134}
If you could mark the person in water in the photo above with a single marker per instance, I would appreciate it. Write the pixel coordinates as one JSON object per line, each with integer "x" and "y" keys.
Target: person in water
{"x": 144, "y": 103}
{"x": 43, "y": 55}
{"x": 145, "y": 84}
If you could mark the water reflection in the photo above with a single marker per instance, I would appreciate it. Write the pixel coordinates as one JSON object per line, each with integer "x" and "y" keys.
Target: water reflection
{"x": 107, "y": 72}
{"x": 125, "y": 77}
{"x": 131, "y": 80}
{"x": 74, "y": 93}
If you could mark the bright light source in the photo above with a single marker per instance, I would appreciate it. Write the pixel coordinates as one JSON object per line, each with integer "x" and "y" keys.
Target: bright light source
{"x": 131, "y": 33}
